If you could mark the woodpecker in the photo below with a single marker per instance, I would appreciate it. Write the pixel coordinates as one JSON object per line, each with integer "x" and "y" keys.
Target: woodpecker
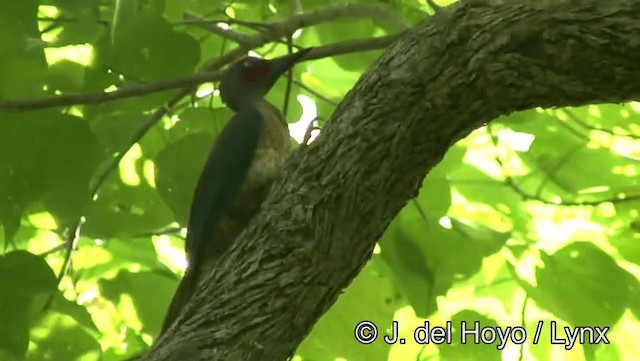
{"x": 238, "y": 173}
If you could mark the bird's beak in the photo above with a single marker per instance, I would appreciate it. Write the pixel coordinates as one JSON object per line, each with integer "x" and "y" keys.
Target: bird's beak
{"x": 281, "y": 64}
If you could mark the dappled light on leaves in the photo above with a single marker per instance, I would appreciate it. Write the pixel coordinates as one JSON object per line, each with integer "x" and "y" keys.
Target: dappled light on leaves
{"x": 532, "y": 219}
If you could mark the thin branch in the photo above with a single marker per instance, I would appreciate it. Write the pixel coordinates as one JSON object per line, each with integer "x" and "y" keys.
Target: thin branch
{"x": 552, "y": 175}
{"x": 175, "y": 231}
{"x": 511, "y": 183}
{"x": 54, "y": 249}
{"x": 287, "y": 90}
{"x": 21, "y": 105}
{"x": 577, "y": 133}
{"x": 194, "y": 19}
{"x": 423, "y": 214}
{"x": 380, "y": 12}
{"x": 432, "y": 4}
{"x": 586, "y": 125}
{"x": 523, "y": 324}
{"x": 314, "y": 93}
{"x": 230, "y": 34}
{"x": 70, "y": 244}
{"x": 352, "y": 46}
{"x": 280, "y": 29}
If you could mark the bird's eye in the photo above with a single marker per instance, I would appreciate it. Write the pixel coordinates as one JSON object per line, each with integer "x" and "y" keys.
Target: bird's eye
{"x": 251, "y": 62}
{"x": 254, "y": 68}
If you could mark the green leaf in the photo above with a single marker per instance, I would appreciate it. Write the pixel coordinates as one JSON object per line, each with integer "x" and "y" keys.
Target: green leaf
{"x": 59, "y": 337}
{"x": 82, "y": 26}
{"x": 124, "y": 13}
{"x": 343, "y": 30}
{"x": 47, "y": 157}
{"x": 209, "y": 121}
{"x": 179, "y": 164}
{"x": 23, "y": 276}
{"x": 410, "y": 272}
{"x": 435, "y": 194}
{"x": 566, "y": 164}
{"x": 122, "y": 255}
{"x": 156, "y": 52}
{"x": 582, "y": 285}
{"x": 135, "y": 346}
{"x": 150, "y": 292}
{"x": 79, "y": 313}
{"x": 115, "y": 131}
{"x": 627, "y": 245}
{"x": 14, "y": 326}
{"x": 126, "y": 210}
{"x": 634, "y": 294}
{"x": 332, "y": 337}
{"x": 470, "y": 350}
{"x": 66, "y": 76}
{"x": 178, "y": 167}
{"x": 426, "y": 258}
{"x": 22, "y": 60}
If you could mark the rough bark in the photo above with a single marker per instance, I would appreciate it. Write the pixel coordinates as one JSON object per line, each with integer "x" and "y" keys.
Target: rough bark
{"x": 449, "y": 75}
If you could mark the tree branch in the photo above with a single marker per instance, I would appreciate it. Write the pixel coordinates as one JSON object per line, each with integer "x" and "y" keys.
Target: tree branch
{"x": 227, "y": 33}
{"x": 247, "y": 42}
{"x": 25, "y": 105}
{"x": 379, "y": 12}
{"x": 22, "y": 105}
{"x": 461, "y": 68}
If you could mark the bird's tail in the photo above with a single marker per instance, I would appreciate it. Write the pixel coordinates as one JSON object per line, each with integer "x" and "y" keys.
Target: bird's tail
{"x": 181, "y": 297}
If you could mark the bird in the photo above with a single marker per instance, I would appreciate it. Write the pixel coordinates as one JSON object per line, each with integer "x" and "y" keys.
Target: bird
{"x": 239, "y": 171}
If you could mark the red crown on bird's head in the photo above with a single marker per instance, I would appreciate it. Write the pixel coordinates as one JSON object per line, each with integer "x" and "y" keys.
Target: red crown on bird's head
{"x": 254, "y": 69}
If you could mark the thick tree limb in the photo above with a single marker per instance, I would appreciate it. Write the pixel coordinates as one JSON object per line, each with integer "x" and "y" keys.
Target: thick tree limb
{"x": 460, "y": 69}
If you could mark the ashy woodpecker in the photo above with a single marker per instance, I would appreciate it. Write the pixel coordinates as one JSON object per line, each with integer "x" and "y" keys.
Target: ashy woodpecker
{"x": 239, "y": 170}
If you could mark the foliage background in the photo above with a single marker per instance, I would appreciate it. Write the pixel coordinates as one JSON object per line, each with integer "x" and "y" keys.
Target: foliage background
{"x": 532, "y": 217}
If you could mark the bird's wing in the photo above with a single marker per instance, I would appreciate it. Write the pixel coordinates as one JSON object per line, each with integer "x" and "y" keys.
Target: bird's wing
{"x": 221, "y": 180}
